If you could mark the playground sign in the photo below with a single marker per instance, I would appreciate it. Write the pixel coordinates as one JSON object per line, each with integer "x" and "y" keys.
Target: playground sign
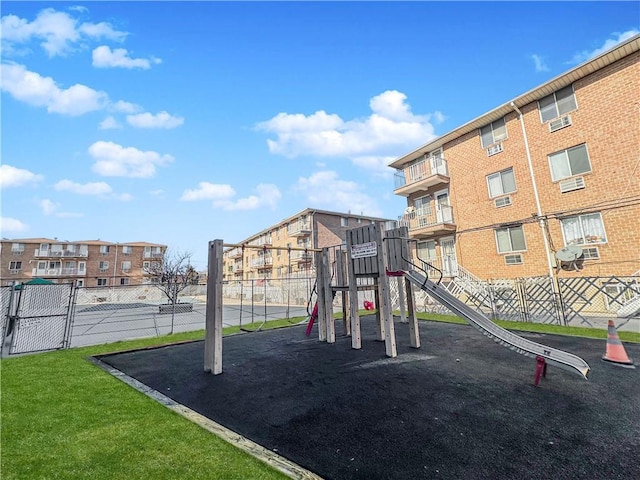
{"x": 362, "y": 250}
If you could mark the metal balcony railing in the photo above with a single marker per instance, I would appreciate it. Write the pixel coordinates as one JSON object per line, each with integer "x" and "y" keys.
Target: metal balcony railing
{"x": 421, "y": 170}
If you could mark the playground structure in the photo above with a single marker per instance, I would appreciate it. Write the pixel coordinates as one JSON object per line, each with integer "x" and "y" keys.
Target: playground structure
{"x": 378, "y": 256}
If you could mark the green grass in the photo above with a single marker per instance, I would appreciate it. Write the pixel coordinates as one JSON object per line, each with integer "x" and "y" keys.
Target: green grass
{"x": 63, "y": 417}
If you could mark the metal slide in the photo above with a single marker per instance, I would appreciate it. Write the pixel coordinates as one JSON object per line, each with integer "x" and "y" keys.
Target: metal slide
{"x": 506, "y": 338}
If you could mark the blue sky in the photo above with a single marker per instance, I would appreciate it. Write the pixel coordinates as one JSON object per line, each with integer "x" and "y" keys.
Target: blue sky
{"x": 182, "y": 122}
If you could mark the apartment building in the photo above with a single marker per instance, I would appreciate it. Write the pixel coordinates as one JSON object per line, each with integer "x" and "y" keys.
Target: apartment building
{"x": 309, "y": 228}
{"x": 557, "y": 166}
{"x": 90, "y": 263}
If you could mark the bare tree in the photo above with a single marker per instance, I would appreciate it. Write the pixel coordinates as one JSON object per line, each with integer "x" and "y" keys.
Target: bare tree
{"x": 174, "y": 273}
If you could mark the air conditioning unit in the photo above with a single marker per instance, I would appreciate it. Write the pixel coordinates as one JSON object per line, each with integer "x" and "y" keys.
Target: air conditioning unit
{"x": 560, "y": 123}
{"x": 493, "y": 149}
{"x": 513, "y": 259}
{"x": 576, "y": 183}
{"x": 502, "y": 201}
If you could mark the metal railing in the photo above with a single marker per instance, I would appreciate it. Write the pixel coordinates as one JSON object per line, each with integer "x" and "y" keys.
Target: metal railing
{"x": 426, "y": 217}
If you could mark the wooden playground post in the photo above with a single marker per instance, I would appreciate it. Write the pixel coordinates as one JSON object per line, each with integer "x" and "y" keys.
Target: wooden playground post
{"x": 341, "y": 268}
{"x": 213, "y": 321}
{"x": 320, "y": 300}
{"x": 328, "y": 298}
{"x": 384, "y": 297}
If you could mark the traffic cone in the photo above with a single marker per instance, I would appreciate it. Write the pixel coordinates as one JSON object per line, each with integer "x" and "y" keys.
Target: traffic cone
{"x": 615, "y": 352}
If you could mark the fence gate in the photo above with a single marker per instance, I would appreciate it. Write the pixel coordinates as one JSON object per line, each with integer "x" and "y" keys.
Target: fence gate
{"x": 38, "y": 318}
{"x": 506, "y": 296}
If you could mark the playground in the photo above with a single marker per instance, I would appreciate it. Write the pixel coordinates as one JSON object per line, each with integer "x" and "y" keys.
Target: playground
{"x": 461, "y": 406}
{"x": 380, "y": 396}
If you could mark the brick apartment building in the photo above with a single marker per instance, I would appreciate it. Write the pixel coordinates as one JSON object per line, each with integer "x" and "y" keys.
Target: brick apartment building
{"x": 309, "y": 228}
{"x": 557, "y": 166}
{"x": 90, "y": 263}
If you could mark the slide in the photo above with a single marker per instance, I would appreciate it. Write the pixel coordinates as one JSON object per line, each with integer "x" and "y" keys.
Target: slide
{"x": 509, "y": 339}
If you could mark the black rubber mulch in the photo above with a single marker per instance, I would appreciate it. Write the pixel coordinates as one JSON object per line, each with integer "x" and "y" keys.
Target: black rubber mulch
{"x": 461, "y": 407}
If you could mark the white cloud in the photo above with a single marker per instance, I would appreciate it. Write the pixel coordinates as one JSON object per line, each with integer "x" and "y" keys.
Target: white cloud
{"x": 59, "y": 32}
{"x": 325, "y": 190}
{"x": 160, "y": 120}
{"x": 50, "y": 208}
{"x": 391, "y": 129}
{"x": 95, "y": 188}
{"x": 541, "y": 66}
{"x": 31, "y": 88}
{"x": 113, "y": 160}
{"x": 208, "y": 191}
{"x": 16, "y": 177}
{"x": 267, "y": 195}
{"x": 104, "y": 57}
{"x": 157, "y": 193}
{"x": 109, "y": 123}
{"x": 11, "y": 225}
{"x": 125, "y": 107}
{"x": 617, "y": 38}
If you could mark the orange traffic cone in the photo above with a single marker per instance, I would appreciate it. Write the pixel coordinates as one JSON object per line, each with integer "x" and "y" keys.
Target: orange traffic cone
{"x": 616, "y": 353}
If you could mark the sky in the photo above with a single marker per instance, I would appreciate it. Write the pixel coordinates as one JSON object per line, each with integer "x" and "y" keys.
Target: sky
{"x": 183, "y": 122}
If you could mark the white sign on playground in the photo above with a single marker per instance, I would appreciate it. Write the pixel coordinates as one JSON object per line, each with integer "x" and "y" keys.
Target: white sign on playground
{"x": 361, "y": 250}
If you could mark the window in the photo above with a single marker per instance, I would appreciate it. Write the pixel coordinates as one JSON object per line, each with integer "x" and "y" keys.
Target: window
{"x": 583, "y": 229}
{"x": 104, "y": 249}
{"x": 124, "y": 281}
{"x": 569, "y": 162}
{"x": 80, "y": 283}
{"x": 492, "y": 133}
{"x": 127, "y": 250}
{"x": 17, "y": 248}
{"x": 344, "y": 222}
{"x": 423, "y": 205}
{"x": 102, "y": 282}
{"x": 15, "y": 266}
{"x": 513, "y": 259}
{"x": 510, "y": 239}
{"x": 501, "y": 183}
{"x": 556, "y": 104}
{"x": 126, "y": 266}
{"x": 427, "y": 251}
{"x": 103, "y": 266}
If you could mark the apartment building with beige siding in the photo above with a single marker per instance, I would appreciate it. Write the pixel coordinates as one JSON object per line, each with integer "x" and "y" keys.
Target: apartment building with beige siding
{"x": 557, "y": 166}
{"x": 308, "y": 229}
{"x": 89, "y": 263}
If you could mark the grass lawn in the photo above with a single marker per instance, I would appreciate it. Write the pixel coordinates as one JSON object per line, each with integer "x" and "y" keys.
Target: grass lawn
{"x": 64, "y": 418}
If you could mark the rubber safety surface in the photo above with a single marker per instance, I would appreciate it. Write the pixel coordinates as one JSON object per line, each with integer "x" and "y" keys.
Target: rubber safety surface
{"x": 460, "y": 407}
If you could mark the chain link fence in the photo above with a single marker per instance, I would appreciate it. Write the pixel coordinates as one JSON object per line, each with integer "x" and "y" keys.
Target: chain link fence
{"x": 45, "y": 317}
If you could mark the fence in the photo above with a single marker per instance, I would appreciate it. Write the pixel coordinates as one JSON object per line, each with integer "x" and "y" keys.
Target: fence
{"x": 45, "y": 317}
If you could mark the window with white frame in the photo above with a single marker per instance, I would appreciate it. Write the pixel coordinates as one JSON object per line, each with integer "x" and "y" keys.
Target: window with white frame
{"x": 344, "y": 222}
{"x": 102, "y": 282}
{"x": 80, "y": 283}
{"x": 124, "y": 281}
{"x": 422, "y": 205}
{"x": 501, "y": 183}
{"x": 427, "y": 251}
{"x": 583, "y": 229}
{"x": 17, "y": 247}
{"x": 103, "y": 266}
{"x": 569, "y": 162}
{"x": 15, "y": 266}
{"x": 557, "y": 104}
{"x": 493, "y": 133}
{"x": 126, "y": 266}
{"x": 510, "y": 239}
{"x": 127, "y": 250}
{"x": 104, "y": 249}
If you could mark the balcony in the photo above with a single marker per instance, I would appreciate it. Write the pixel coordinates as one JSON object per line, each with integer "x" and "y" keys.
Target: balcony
{"x": 234, "y": 252}
{"x": 152, "y": 255}
{"x": 262, "y": 241}
{"x": 425, "y": 223}
{"x": 299, "y": 229}
{"x": 57, "y": 272}
{"x": 60, "y": 253}
{"x": 264, "y": 261}
{"x": 301, "y": 257}
{"x": 421, "y": 176}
